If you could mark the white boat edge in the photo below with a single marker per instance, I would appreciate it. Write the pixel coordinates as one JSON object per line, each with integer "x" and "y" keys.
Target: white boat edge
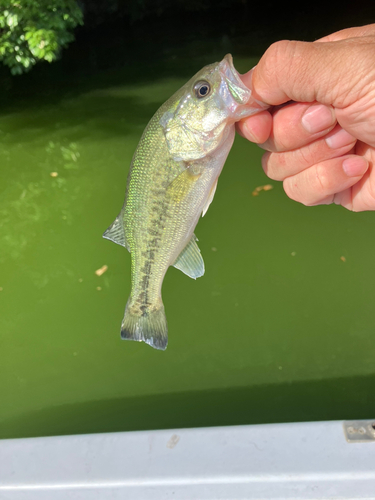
{"x": 313, "y": 460}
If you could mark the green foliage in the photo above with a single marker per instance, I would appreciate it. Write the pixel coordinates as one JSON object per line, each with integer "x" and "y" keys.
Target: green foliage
{"x": 34, "y": 30}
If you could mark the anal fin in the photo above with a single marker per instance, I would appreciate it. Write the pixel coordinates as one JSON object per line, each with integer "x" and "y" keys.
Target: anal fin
{"x": 190, "y": 260}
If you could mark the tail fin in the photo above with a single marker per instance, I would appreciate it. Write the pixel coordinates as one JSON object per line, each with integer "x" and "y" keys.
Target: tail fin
{"x": 150, "y": 327}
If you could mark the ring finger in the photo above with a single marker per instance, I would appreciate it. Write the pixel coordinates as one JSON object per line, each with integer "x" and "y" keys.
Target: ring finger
{"x": 319, "y": 183}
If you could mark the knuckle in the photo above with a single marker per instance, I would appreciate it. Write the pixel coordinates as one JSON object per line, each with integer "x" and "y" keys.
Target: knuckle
{"x": 295, "y": 189}
{"x": 275, "y": 55}
{"x": 283, "y": 142}
{"x": 274, "y": 166}
{"x": 304, "y": 156}
{"x": 322, "y": 180}
{"x": 278, "y": 50}
{"x": 291, "y": 189}
{"x": 297, "y": 56}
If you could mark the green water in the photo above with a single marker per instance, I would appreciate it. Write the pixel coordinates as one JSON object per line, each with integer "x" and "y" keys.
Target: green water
{"x": 280, "y": 328}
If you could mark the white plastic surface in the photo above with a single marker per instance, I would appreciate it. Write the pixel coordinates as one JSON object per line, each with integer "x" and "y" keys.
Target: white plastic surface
{"x": 282, "y": 461}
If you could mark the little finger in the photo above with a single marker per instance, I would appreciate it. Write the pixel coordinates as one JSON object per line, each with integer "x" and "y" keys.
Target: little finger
{"x": 315, "y": 184}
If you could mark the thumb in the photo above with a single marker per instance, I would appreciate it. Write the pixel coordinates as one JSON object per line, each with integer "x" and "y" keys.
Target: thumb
{"x": 332, "y": 73}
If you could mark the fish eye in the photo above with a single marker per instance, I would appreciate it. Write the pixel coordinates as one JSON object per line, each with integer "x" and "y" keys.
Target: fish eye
{"x": 202, "y": 89}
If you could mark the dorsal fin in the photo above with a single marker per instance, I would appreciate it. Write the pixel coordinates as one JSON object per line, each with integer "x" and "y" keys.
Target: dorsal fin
{"x": 116, "y": 232}
{"x": 190, "y": 260}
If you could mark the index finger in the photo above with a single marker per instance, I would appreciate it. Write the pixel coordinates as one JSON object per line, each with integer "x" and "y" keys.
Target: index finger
{"x": 331, "y": 73}
{"x": 349, "y": 33}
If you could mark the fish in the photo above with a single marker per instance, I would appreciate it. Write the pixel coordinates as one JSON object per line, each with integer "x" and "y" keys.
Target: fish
{"x": 171, "y": 183}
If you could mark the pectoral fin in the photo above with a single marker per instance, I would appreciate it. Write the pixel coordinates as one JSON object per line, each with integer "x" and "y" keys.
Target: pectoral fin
{"x": 209, "y": 199}
{"x": 116, "y": 232}
{"x": 182, "y": 184}
{"x": 190, "y": 260}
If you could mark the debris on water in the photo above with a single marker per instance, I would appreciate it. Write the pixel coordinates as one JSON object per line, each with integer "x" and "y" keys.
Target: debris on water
{"x": 1, "y": 288}
{"x": 102, "y": 270}
{"x": 257, "y": 190}
{"x": 293, "y": 254}
{"x": 343, "y": 258}
{"x": 53, "y": 174}
{"x": 214, "y": 249}
{"x": 98, "y": 288}
{"x": 80, "y": 280}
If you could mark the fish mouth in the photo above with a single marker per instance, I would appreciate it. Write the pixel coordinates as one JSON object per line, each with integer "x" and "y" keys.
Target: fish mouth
{"x": 237, "y": 88}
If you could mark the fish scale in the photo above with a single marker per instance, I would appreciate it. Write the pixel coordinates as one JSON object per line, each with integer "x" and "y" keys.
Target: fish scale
{"x": 171, "y": 182}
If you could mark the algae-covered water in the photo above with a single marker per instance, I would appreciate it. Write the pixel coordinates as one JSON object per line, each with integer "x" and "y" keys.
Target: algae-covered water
{"x": 280, "y": 328}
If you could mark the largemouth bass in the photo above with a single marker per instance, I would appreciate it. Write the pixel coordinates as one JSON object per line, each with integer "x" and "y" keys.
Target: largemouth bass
{"x": 172, "y": 181}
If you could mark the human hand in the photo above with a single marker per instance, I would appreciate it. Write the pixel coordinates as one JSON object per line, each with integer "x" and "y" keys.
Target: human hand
{"x": 321, "y": 145}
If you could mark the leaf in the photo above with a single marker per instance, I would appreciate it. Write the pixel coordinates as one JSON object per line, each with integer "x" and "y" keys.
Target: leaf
{"x": 36, "y": 30}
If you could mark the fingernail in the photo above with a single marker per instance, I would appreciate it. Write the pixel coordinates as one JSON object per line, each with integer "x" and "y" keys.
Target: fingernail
{"x": 317, "y": 118}
{"x": 339, "y": 138}
{"x": 354, "y": 166}
{"x": 249, "y": 134}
